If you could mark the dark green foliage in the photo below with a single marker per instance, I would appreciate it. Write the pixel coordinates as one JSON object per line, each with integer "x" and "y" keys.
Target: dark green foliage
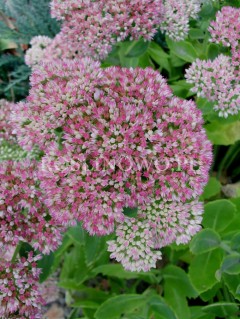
{"x": 20, "y": 21}
{"x": 30, "y": 18}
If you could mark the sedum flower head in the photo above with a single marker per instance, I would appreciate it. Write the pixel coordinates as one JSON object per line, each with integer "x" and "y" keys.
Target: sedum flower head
{"x": 225, "y": 30}
{"x": 172, "y": 221}
{"x": 134, "y": 246}
{"x": 113, "y": 138}
{"x": 23, "y": 216}
{"x": 35, "y": 54}
{"x": 158, "y": 224}
{"x": 20, "y": 297}
{"x": 176, "y": 16}
{"x": 216, "y": 81}
{"x": 91, "y": 28}
{"x": 56, "y": 89}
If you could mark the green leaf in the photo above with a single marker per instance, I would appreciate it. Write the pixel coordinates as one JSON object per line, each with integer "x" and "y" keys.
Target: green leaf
{"x": 210, "y": 293}
{"x": 94, "y": 248}
{"x": 182, "y": 49}
{"x": 156, "y": 51}
{"x": 177, "y": 278}
{"x": 235, "y": 242}
{"x": 45, "y": 264}
{"x": 130, "y": 212}
{"x": 159, "y": 309}
{"x": 137, "y": 48}
{"x": 197, "y": 313}
{"x": 125, "y": 61}
{"x": 196, "y": 34}
{"x": 203, "y": 268}
{"x": 117, "y": 271}
{"x": 223, "y": 134}
{"x": 232, "y": 282}
{"x": 85, "y": 304}
{"x": 6, "y": 44}
{"x": 114, "y": 270}
{"x": 159, "y": 56}
{"x": 177, "y": 302}
{"x": 177, "y": 287}
{"x": 176, "y": 61}
{"x": 231, "y": 264}
{"x": 74, "y": 270}
{"x": 181, "y": 88}
{"x": 118, "y": 306}
{"x": 212, "y": 51}
{"x": 205, "y": 106}
{"x": 206, "y": 240}
{"x": 208, "y": 10}
{"x": 76, "y": 234}
{"x": 232, "y": 228}
{"x": 145, "y": 61}
{"x": 212, "y": 188}
{"x": 218, "y": 214}
{"x": 222, "y": 309}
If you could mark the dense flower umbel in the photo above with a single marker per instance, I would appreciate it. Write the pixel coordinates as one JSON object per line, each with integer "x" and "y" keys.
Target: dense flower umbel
{"x": 23, "y": 215}
{"x": 19, "y": 289}
{"x": 124, "y": 139}
{"x": 59, "y": 90}
{"x": 216, "y": 81}
{"x": 91, "y": 28}
{"x": 134, "y": 245}
{"x": 158, "y": 224}
{"x": 226, "y": 30}
{"x": 172, "y": 221}
{"x": 35, "y": 54}
{"x": 176, "y": 16}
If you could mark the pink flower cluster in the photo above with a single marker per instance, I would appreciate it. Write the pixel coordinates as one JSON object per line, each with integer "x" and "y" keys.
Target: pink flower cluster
{"x": 20, "y": 297}
{"x": 176, "y": 17}
{"x": 91, "y": 28}
{"x": 23, "y": 216}
{"x": 115, "y": 138}
{"x": 36, "y": 53}
{"x": 226, "y": 30}
{"x": 216, "y": 81}
{"x": 159, "y": 224}
{"x": 134, "y": 245}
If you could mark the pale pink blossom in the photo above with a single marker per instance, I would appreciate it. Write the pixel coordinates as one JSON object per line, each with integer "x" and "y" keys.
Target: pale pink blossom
{"x": 35, "y": 54}
{"x": 158, "y": 224}
{"x": 113, "y": 138}
{"x": 176, "y": 17}
{"x": 216, "y": 81}
{"x": 20, "y": 297}
{"x": 23, "y": 216}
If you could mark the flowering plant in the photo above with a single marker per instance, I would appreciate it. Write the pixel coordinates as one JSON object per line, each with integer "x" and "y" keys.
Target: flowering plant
{"x": 108, "y": 172}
